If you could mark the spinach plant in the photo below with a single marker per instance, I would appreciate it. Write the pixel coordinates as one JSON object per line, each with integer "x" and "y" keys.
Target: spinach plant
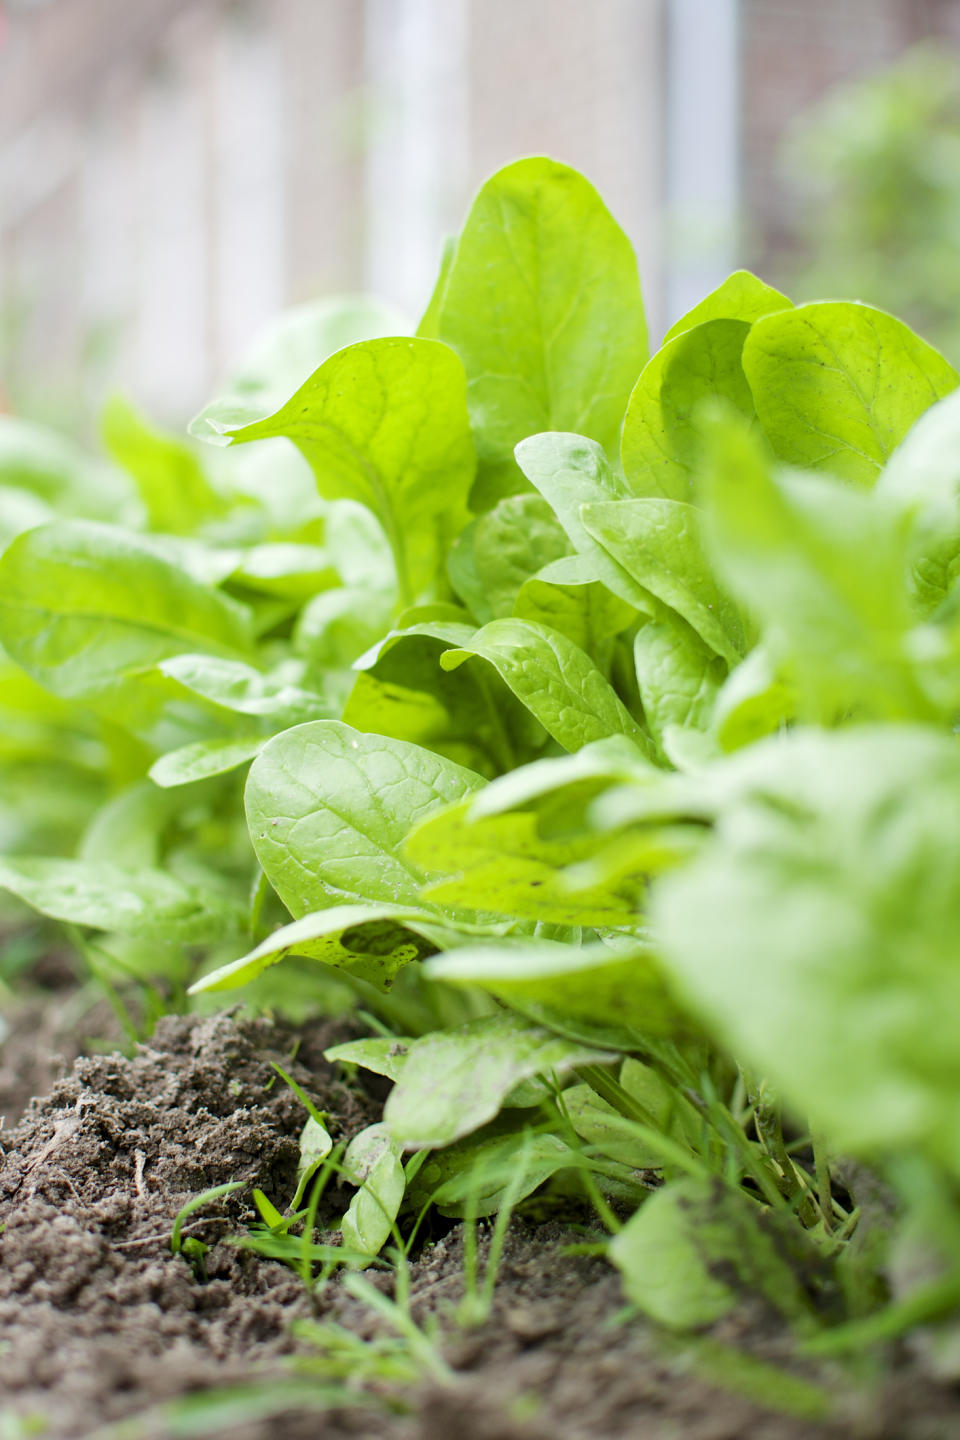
{"x": 587, "y": 716}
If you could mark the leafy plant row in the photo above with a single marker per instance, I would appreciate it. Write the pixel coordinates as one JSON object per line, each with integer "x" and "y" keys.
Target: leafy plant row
{"x": 600, "y": 710}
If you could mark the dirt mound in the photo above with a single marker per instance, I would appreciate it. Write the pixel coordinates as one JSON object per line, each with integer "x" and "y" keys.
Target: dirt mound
{"x": 97, "y": 1317}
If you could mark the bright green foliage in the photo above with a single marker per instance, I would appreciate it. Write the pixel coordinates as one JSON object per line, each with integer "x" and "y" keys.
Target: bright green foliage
{"x": 838, "y": 385}
{"x": 542, "y": 303}
{"x": 385, "y": 423}
{"x": 625, "y": 799}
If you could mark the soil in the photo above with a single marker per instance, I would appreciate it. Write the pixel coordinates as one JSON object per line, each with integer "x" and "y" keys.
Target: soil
{"x": 105, "y": 1333}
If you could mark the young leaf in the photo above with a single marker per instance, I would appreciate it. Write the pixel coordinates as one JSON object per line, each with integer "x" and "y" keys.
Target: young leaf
{"x": 382, "y": 1054}
{"x": 557, "y": 682}
{"x": 373, "y": 1161}
{"x": 568, "y": 596}
{"x": 287, "y": 353}
{"x": 922, "y": 480}
{"x": 543, "y": 306}
{"x": 570, "y": 472}
{"x": 837, "y": 385}
{"x": 204, "y": 759}
{"x": 329, "y": 807}
{"x": 660, "y": 543}
{"x": 501, "y": 549}
{"x": 679, "y": 678}
{"x": 742, "y": 296}
{"x": 84, "y": 605}
{"x": 371, "y": 942}
{"x": 660, "y": 446}
{"x": 385, "y": 423}
{"x": 454, "y": 1081}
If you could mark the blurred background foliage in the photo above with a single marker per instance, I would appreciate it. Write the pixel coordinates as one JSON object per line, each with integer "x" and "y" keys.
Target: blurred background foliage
{"x": 875, "y": 171}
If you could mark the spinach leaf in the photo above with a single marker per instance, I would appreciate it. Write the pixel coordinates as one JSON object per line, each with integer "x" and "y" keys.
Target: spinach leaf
{"x": 542, "y": 303}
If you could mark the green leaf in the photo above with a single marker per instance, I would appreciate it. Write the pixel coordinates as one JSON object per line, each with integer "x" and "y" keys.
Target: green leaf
{"x": 203, "y": 759}
{"x": 243, "y": 690}
{"x": 679, "y": 678}
{"x": 792, "y": 548}
{"x": 372, "y": 942}
{"x": 568, "y": 596}
{"x": 38, "y": 464}
{"x": 623, "y": 986}
{"x": 543, "y": 305}
{"x": 835, "y": 854}
{"x": 502, "y": 863}
{"x": 476, "y": 1175}
{"x": 742, "y": 296}
{"x": 145, "y": 902}
{"x": 571, "y": 472}
{"x": 428, "y": 329}
{"x": 454, "y": 1081}
{"x": 373, "y": 1161}
{"x": 557, "y": 682}
{"x": 328, "y": 809}
{"x": 692, "y": 1248}
{"x": 660, "y": 444}
{"x": 83, "y": 606}
{"x": 315, "y": 1145}
{"x": 287, "y": 354}
{"x": 501, "y": 549}
{"x": 837, "y": 385}
{"x": 383, "y": 1054}
{"x": 660, "y": 542}
{"x": 176, "y": 492}
{"x": 385, "y": 423}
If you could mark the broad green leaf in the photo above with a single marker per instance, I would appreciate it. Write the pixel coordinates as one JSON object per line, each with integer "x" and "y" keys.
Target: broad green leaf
{"x": 836, "y": 854}
{"x": 501, "y": 549}
{"x": 615, "y": 759}
{"x": 503, "y": 864}
{"x": 385, "y": 423}
{"x": 371, "y": 942}
{"x": 454, "y": 1081}
{"x": 243, "y": 690}
{"x": 694, "y": 1248}
{"x": 791, "y": 548}
{"x": 558, "y": 683}
{"x": 660, "y": 542}
{"x": 373, "y": 1161}
{"x": 383, "y": 1054}
{"x": 837, "y": 385}
{"x": 177, "y": 494}
{"x": 660, "y": 444}
{"x": 543, "y": 306}
{"x": 145, "y": 902}
{"x": 287, "y": 354}
{"x": 625, "y": 986}
{"x": 328, "y": 809}
{"x": 571, "y": 472}
{"x": 203, "y": 759}
{"x": 568, "y": 596}
{"x": 82, "y": 606}
{"x": 606, "y": 1131}
{"x": 742, "y": 296}
{"x": 679, "y": 678}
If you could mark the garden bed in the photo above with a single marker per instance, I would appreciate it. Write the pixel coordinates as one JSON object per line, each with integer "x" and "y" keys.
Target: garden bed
{"x": 101, "y": 1324}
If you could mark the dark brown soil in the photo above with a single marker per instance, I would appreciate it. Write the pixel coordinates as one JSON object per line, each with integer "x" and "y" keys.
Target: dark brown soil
{"x": 104, "y": 1332}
